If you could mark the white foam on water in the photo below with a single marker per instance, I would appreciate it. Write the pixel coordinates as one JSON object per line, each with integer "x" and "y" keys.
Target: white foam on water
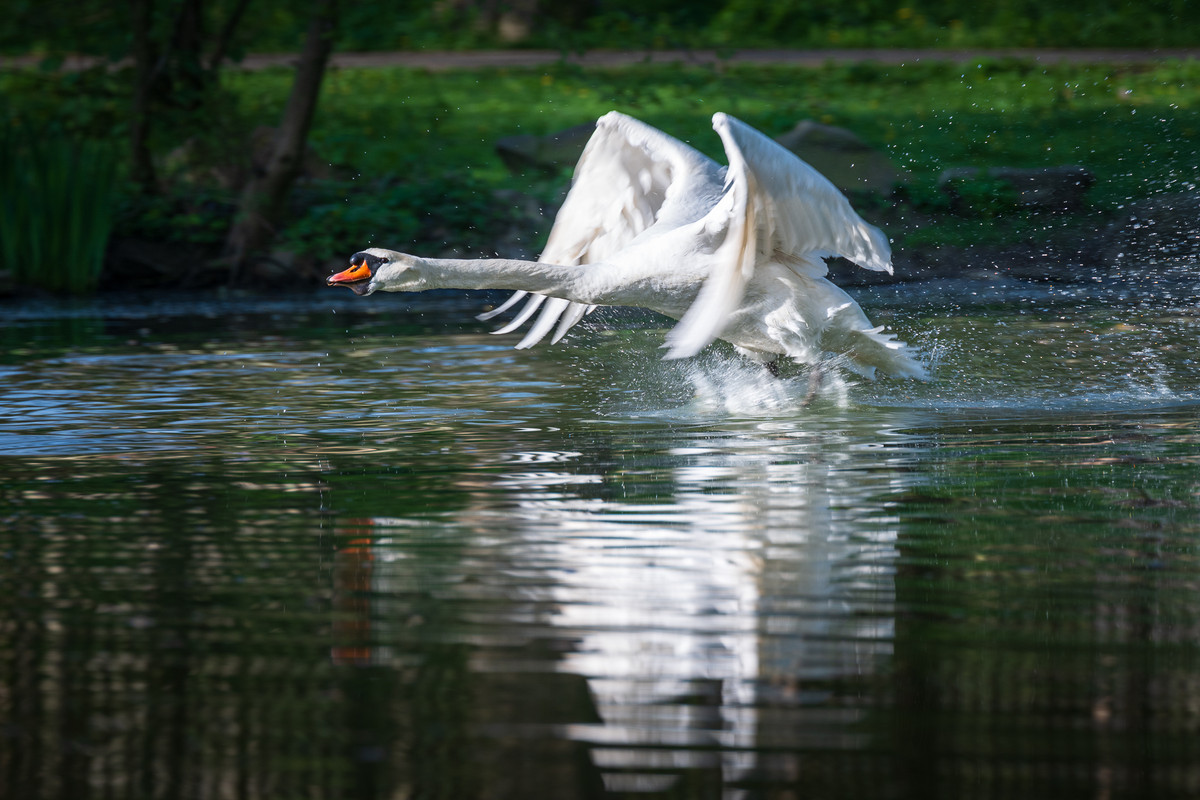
{"x": 735, "y": 386}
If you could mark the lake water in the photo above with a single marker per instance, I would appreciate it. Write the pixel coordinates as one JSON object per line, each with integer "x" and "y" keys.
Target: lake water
{"x": 329, "y": 547}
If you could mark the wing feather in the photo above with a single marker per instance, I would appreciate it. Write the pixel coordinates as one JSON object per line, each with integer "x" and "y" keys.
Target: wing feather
{"x": 773, "y": 202}
{"x": 513, "y": 299}
{"x": 553, "y": 309}
{"x": 571, "y": 316}
{"x": 628, "y": 172}
{"x": 532, "y": 305}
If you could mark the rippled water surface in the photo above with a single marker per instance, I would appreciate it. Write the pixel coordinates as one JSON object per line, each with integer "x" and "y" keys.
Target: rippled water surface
{"x": 340, "y": 548}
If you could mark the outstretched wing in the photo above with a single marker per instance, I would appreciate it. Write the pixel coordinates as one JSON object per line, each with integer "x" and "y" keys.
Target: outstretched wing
{"x": 628, "y": 173}
{"x": 773, "y": 202}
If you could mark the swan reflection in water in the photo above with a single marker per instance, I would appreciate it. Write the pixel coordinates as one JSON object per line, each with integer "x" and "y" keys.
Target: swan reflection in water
{"x": 695, "y": 587}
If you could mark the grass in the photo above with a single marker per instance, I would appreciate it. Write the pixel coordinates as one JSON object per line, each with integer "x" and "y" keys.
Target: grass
{"x": 1134, "y": 128}
{"x": 57, "y": 198}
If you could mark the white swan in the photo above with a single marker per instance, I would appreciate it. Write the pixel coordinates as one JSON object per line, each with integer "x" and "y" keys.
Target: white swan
{"x": 735, "y": 253}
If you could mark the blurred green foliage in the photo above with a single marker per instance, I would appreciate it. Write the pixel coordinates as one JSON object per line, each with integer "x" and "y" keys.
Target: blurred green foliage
{"x": 102, "y": 28}
{"x": 194, "y": 216}
{"x": 949, "y": 23}
{"x": 441, "y": 212}
{"x": 87, "y": 103}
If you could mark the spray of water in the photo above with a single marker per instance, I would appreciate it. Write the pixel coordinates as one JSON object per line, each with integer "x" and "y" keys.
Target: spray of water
{"x": 728, "y": 385}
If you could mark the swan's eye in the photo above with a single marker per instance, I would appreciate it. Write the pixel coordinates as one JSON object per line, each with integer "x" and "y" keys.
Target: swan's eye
{"x": 371, "y": 262}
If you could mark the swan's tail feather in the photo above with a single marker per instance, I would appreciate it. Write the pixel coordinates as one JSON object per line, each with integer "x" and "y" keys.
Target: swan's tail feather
{"x": 869, "y": 348}
{"x": 823, "y": 318}
{"x": 875, "y": 349}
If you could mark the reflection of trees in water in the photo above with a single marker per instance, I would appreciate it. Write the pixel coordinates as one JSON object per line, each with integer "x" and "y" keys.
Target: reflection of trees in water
{"x": 1046, "y": 644}
{"x": 145, "y": 650}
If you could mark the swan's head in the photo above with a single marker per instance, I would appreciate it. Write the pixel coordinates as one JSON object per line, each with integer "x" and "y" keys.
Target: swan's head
{"x": 376, "y": 269}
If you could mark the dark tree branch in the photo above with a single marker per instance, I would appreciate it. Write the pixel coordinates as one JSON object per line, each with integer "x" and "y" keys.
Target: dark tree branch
{"x": 221, "y": 49}
{"x": 184, "y": 79}
{"x": 143, "y": 63}
{"x": 265, "y": 197}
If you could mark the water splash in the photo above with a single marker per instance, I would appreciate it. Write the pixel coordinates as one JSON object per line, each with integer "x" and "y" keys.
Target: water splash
{"x": 730, "y": 385}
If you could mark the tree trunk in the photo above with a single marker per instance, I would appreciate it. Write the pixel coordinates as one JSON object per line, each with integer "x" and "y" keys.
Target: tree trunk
{"x": 183, "y": 80}
{"x": 221, "y": 49}
{"x": 264, "y": 199}
{"x": 142, "y": 166}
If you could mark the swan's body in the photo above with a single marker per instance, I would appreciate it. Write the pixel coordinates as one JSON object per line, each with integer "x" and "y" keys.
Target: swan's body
{"x": 735, "y": 253}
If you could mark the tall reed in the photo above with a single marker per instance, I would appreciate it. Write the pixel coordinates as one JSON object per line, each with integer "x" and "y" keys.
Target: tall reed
{"x": 56, "y": 209}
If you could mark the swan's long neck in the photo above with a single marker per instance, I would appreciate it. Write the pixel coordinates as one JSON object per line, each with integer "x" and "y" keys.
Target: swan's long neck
{"x": 503, "y": 273}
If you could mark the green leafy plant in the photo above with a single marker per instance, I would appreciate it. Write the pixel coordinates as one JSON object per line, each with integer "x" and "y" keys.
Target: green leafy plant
{"x": 190, "y": 216}
{"x": 56, "y": 209}
{"x": 434, "y": 213}
{"x": 983, "y": 197}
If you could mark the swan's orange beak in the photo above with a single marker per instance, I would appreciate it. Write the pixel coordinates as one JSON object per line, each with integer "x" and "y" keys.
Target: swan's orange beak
{"x": 357, "y": 272}
{"x": 356, "y": 278}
